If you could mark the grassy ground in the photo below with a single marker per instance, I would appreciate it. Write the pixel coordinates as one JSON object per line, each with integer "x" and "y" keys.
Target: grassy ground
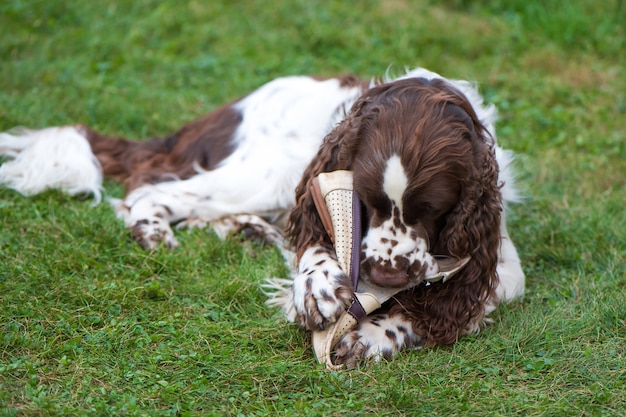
{"x": 92, "y": 325}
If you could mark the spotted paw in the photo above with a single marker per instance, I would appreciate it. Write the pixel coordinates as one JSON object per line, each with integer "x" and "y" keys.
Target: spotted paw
{"x": 149, "y": 233}
{"x": 376, "y": 338}
{"x": 321, "y": 290}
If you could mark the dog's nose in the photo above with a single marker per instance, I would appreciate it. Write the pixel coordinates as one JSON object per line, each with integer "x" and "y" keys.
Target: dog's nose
{"x": 388, "y": 277}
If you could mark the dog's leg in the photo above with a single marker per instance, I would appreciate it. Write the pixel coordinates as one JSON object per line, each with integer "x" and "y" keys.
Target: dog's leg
{"x": 253, "y": 227}
{"x": 512, "y": 279}
{"x": 200, "y": 200}
{"x": 377, "y": 337}
{"x": 321, "y": 289}
{"x": 149, "y": 210}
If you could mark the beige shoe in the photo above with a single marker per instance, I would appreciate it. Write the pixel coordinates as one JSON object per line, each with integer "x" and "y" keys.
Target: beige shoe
{"x": 339, "y": 209}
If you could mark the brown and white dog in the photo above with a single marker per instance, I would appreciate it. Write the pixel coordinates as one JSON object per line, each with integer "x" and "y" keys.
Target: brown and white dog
{"x": 426, "y": 166}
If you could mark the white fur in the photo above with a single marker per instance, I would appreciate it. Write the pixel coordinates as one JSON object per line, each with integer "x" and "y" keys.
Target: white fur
{"x": 395, "y": 181}
{"x": 509, "y": 269}
{"x": 387, "y": 243}
{"x": 283, "y": 124}
{"x": 378, "y": 337}
{"x": 512, "y": 280}
{"x": 279, "y": 292}
{"x": 319, "y": 276}
{"x": 506, "y": 176}
{"x": 56, "y": 157}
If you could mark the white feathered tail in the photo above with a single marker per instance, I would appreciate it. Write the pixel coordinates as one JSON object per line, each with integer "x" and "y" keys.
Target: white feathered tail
{"x": 55, "y": 157}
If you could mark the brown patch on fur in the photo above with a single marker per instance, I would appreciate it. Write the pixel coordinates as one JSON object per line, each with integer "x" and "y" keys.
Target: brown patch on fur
{"x": 452, "y": 193}
{"x": 206, "y": 141}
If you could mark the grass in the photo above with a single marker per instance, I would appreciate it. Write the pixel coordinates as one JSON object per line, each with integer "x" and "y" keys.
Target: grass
{"x": 92, "y": 325}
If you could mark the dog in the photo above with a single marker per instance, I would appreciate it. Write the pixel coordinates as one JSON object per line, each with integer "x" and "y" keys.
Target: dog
{"x": 433, "y": 183}
{"x": 426, "y": 166}
{"x": 244, "y": 157}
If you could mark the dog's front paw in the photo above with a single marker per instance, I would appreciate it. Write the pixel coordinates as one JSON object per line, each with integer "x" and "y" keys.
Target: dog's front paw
{"x": 350, "y": 350}
{"x": 151, "y": 232}
{"x": 322, "y": 290}
{"x": 376, "y": 338}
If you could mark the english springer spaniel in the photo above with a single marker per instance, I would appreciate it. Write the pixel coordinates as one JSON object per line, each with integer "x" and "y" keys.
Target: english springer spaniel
{"x": 432, "y": 182}
{"x": 426, "y": 166}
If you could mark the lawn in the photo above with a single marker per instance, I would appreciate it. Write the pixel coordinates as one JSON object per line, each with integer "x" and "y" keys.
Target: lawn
{"x": 90, "y": 324}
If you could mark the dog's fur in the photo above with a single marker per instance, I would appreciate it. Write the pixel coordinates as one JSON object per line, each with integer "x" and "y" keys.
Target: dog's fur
{"x": 430, "y": 176}
{"x": 426, "y": 165}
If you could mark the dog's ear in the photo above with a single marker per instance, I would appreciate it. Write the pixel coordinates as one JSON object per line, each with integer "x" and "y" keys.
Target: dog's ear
{"x": 473, "y": 229}
{"x": 444, "y": 312}
{"x": 304, "y": 227}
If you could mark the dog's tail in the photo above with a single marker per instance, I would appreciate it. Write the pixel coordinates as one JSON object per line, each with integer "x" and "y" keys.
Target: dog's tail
{"x": 56, "y": 157}
{"x": 134, "y": 163}
{"x": 76, "y": 158}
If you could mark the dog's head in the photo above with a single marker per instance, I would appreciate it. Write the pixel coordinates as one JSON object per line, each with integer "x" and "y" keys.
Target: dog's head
{"x": 420, "y": 159}
{"x": 425, "y": 170}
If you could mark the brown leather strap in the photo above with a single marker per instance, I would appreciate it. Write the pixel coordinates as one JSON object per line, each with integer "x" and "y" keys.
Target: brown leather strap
{"x": 322, "y": 209}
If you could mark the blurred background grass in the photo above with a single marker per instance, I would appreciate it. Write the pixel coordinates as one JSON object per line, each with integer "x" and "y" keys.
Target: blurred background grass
{"x": 93, "y": 325}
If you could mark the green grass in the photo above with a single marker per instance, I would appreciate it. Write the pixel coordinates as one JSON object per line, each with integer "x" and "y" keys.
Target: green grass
{"x": 92, "y": 325}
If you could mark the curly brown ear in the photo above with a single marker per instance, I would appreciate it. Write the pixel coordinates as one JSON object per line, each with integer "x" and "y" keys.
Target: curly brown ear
{"x": 444, "y": 312}
{"x": 304, "y": 227}
{"x": 473, "y": 230}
